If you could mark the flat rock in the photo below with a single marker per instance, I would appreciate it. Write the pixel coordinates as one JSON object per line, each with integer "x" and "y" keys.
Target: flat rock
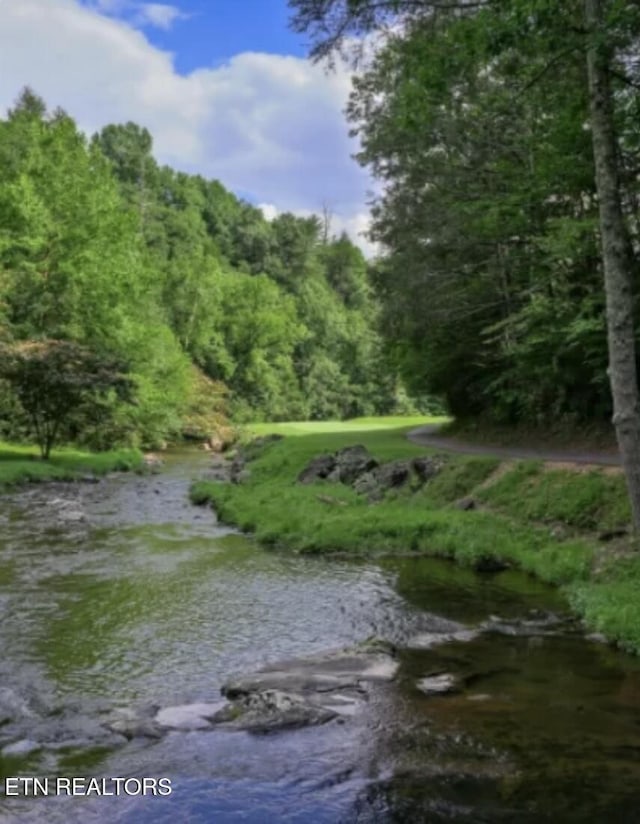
{"x": 129, "y": 723}
{"x": 188, "y": 716}
{"x": 306, "y": 691}
{"x": 323, "y": 673}
{"x": 427, "y": 640}
{"x": 439, "y": 684}
{"x": 271, "y": 710}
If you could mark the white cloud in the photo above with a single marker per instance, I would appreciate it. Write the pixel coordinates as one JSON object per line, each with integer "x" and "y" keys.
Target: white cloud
{"x": 270, "y": 127}
{"x": 158, "y": 14}
{"x": 138, "y": 13}
{"x": 355, "y": 225}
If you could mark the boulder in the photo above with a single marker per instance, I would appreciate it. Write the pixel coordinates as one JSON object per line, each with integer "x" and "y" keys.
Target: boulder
{"x": 271, "y": 710}
{"x": 306, "y": 691}
{"x": 351, "y": 462}
{"x": 388, "y": 476}
{"x": 317, "y": 470}
{"x": 427, "y": 467}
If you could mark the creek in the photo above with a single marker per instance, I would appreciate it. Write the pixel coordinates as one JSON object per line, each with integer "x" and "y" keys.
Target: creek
{"x": 120, "y": 594}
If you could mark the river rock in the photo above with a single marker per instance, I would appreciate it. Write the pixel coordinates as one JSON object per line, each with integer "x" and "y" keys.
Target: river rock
{"x": 307, "y": 691}
{"x": 152, "y": 461}
{"x": 535, "y": 623}
{"x": 21, "y": 748}
{"x": 131, "y": 724}
{"x": 438, "y": 684}
{"x": 269, "y": 710}
{"x": 427, "y": 640}
{"x": 188, "y": 716}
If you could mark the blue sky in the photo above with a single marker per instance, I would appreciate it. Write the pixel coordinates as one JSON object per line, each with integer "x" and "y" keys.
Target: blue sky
{"x": 224, "y": 87}
{"x": 214, "y": 30}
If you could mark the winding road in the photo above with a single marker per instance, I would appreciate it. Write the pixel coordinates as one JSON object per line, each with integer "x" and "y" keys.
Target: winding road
{"x": 428, "y": 436}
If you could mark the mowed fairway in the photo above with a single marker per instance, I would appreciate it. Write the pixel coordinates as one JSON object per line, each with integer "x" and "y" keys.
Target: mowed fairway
{"x": 353, "y": 425}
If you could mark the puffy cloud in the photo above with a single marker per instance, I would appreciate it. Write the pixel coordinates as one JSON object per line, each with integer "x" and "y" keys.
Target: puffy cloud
{"x": 158, "y": 14}
{"x": 270, "y": 127}
{"x": 356, "y": 225}
{"x": 138, "y": 13}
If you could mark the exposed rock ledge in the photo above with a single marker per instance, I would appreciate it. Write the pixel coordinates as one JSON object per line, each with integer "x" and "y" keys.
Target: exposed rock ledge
{"x": 296, "y": 693}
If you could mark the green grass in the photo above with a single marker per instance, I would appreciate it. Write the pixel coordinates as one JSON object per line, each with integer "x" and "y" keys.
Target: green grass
{"x": 331, "y": 427}
{"x": 22, "y": 464}
{"x": 513, "y": 523}
{"x": 590, "y": 500}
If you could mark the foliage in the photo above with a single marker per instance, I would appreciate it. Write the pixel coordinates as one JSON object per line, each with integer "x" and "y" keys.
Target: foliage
{"x": 181, "y": 282}
{"x": 491, "y": 281}
{"x": 60, "y": 384}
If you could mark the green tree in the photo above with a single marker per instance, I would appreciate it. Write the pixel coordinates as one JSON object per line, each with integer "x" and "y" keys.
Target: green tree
{"x": 58, "y": 380}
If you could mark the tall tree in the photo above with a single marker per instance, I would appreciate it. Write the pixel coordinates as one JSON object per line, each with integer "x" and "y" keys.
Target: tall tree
{"x": 546, "y": 35}
{"x": 617, "y": 252}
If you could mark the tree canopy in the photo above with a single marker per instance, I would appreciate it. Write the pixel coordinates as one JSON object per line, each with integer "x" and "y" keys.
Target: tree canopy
{"x": 180, "y": 281}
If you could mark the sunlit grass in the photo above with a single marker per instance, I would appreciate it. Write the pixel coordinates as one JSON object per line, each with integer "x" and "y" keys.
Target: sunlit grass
{"x": 353, "y": 425}
{"x": 19, "y": 463}
{"x": 516, "y": 520}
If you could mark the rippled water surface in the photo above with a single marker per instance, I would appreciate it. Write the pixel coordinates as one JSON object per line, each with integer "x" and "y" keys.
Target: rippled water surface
{"x": 120, "y": 594}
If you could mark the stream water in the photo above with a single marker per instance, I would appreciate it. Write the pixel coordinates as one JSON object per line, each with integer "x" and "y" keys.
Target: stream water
{"x": 121, "y": 594}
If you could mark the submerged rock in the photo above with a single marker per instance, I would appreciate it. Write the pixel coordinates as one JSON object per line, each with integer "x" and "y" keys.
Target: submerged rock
{"x": 427, "y": 640}
{"x": 439, "y": 684}
{"x": 131, "y": 724}
{"x": 21, "y": 748}
{"x": 13, "y": 707}
{"x": 536, "y": 623}
{"x": 306, "y": 691}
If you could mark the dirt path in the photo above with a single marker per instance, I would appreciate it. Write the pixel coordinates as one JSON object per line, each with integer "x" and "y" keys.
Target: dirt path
{"x": 428, "y": 436}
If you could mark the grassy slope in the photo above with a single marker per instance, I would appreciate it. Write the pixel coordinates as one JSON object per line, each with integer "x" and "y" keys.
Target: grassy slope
{"x": 542, "y": 521}
{"x": 20, "y": 464}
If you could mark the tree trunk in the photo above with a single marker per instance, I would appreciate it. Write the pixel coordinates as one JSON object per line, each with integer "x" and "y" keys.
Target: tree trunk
{"x": 617, "y": 257}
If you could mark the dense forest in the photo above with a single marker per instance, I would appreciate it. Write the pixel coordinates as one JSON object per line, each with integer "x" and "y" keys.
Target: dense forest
{"x": 188, "y": 293}
{"x": 475, "y": 117}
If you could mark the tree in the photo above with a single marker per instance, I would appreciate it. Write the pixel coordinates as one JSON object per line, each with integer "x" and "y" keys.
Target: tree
{"x": 502, "y": 40}
{"x": 617, "y": 252}
{"x": 54, "y": 380}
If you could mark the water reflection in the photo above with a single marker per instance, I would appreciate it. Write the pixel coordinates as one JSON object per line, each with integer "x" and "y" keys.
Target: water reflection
{"x": 122, "y": 594}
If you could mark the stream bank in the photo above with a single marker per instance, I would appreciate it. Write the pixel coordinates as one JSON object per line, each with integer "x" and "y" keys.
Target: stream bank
{"x": 564, "y": 526}
{"x": 141, "y": 603}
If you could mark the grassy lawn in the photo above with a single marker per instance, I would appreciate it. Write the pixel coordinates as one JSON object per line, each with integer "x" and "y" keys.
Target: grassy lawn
{"x": 20, "y": 464}
{"x": 542, "y": 522}
{"x": 331, "y": 427}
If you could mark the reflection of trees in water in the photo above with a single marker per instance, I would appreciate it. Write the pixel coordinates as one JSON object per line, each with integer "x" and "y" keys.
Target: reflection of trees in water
{"x": 585, "y": 796}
